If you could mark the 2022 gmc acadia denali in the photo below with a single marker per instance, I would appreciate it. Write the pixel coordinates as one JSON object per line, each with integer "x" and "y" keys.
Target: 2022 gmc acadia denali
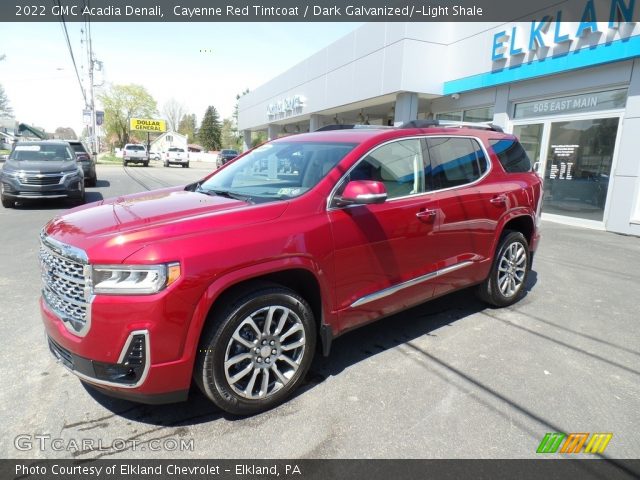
{"x": 235, "y": 280}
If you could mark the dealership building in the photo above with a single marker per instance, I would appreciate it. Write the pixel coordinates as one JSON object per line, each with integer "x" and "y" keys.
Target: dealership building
{"x": 569, "y": 91}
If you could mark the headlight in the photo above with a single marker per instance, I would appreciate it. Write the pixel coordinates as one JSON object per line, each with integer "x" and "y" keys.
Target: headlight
{"x": 133, "y": 279}
{"x": 9, "y": 173}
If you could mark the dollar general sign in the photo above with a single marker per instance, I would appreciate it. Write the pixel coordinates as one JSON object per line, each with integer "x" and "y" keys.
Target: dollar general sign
{"x": 147, "y": 125}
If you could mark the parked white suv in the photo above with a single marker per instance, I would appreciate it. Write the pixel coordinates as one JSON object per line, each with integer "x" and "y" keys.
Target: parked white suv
{"x": 134, "y": 153}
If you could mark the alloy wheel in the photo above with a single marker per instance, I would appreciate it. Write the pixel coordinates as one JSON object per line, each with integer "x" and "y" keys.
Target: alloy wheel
{"x": 264, "y": 352}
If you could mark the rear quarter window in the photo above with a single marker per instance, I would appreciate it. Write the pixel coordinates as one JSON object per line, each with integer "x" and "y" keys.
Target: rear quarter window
{"x": 512, "y": 156}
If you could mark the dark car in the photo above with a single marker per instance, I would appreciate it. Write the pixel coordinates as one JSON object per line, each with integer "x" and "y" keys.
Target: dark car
{"x": 44, "y": 169}
{"x": 87, "y": 161}
{"x": 226, "y": 156}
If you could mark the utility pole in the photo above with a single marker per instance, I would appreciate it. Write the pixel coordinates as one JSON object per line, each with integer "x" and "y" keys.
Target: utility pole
{"x": 92, "y": 63}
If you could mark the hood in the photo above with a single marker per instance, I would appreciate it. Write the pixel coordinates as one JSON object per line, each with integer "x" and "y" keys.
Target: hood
{"x": 33, "y": 166}
{"x": 128, "y": 223}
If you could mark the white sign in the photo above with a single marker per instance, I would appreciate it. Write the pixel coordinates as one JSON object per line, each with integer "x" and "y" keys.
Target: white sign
{"x": 285, "y": 107}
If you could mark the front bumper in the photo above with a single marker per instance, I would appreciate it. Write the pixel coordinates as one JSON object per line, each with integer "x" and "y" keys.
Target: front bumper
{"x": 70, "y": 186}
{"x": 102, "y": 353}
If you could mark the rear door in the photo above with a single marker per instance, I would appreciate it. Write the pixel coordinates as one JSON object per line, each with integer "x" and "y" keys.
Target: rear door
{"x": 471, "y": 202}
{"x": 383, "y": 253}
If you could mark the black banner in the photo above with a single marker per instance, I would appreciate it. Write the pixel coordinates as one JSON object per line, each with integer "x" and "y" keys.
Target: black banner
{"x": 611, "y": 11}
{"x": 319, "y": 469}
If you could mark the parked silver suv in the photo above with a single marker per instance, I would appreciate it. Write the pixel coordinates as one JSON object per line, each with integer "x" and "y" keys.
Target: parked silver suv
{"x": 44, "y": 169}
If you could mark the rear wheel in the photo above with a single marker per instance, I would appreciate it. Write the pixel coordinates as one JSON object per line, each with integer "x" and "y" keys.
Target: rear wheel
{"x": 256, "y": 351}
{"x": 125, "y": 163}
{"x": 145, "y": 164}
{"x": 505, "y": 284}
{"x": 92, "y": 181}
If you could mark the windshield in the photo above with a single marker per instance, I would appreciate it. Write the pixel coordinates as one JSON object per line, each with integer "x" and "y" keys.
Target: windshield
{"x": 277, "y": 171}
{"x": 40, "y": 153}
{"x": 229, "y": 152}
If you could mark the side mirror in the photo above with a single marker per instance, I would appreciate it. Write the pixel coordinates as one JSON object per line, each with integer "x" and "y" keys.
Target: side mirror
{"x": 362, "y": 192}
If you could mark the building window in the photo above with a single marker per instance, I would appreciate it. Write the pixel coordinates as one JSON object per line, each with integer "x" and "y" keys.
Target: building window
{"x": 477, "y": 115}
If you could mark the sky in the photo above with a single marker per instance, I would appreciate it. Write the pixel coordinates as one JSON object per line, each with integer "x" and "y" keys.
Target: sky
{"x": 198, "y": 64}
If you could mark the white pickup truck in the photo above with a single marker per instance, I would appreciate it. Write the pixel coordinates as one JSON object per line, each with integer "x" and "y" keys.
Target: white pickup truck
{"x": 133, "y": 153}
{"x": 176, "y": 156}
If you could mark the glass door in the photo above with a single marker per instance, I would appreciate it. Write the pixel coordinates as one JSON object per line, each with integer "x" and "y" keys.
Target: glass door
{"x": 578, "y": 167}
{"x": 576, "y": 156}
{"x": 530, "y": 136}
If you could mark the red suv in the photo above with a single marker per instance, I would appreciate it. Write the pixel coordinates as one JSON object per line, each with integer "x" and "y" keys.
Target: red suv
{"x": 236, "y": 280}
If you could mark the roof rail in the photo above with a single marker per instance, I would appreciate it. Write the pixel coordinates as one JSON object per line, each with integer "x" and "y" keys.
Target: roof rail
{"x": 349, "y": 126}
{"x": 450, "y": 124}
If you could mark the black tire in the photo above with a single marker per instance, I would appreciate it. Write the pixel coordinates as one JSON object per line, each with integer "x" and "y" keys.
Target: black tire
{"x": 504, "y": 288}
{"x": 166, "y": 164}
{"x": 7, "y": 202}
{"x": 145, "y": 164}
{"x": 92, "y": 181}
{"x": 125, "y": 163}
{"x": 217, "y": 341}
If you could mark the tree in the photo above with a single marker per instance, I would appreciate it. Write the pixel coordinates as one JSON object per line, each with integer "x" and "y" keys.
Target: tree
{"x": 173, "y": 111}
{"x": 121, "y": 103}
{"x": 258, "y": 138}
{"x": 236, "y": 109}
{"x": 228, "y": 137}
{"x": 187, "y": 127}
{"x": 65, "y": 133}
{"x": 210, "y": 130}
{"x": 5, "y": 108}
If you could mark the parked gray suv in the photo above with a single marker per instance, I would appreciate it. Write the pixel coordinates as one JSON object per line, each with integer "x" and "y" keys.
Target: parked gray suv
{"x": 44, "y": 169}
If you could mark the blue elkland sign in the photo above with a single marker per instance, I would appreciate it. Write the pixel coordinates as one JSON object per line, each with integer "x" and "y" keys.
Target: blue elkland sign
{"x": 516, "y": 43}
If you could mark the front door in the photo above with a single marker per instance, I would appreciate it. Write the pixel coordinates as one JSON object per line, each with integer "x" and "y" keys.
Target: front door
{"x": 384, "y": 252}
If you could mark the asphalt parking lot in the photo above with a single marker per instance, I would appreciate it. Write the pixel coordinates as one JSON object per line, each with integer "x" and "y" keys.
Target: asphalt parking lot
{"x": 449, "y": 379}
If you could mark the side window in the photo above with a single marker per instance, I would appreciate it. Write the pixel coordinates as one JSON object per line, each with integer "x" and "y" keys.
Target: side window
{"x": 512, "y": 156}
{"x": 455, "y": 161}
{"x": 399, "y": 165}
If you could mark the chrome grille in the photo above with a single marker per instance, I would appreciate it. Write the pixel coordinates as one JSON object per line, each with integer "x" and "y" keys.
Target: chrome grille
{"x": 40, "y": 179}
{"x": 65, "y": 287}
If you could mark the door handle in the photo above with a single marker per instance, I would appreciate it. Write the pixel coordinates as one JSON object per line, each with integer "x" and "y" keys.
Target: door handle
{"x": 426, "y": 214}
{"x": 499, "y": 200}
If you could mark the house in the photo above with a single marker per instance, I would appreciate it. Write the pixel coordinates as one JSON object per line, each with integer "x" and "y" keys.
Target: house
{"x": 168, "y": 139}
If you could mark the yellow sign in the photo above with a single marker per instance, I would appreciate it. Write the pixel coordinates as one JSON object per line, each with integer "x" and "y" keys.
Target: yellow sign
{"x": 147, "y": 125}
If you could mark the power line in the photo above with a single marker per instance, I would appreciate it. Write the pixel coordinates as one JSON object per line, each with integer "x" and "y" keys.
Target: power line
{"x": 73, "y": 59}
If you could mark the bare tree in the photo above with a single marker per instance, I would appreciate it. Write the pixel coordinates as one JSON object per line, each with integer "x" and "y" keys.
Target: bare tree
{"x": 173, "y": 111}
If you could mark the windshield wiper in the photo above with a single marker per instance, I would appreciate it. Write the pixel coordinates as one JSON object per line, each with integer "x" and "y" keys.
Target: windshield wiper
{"x": 224, "y": 193}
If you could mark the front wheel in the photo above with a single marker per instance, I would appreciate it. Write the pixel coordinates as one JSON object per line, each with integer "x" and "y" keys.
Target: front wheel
{"x": 505, "y": 284}
{"x": 256, "y": 351}
{"x": 7, "y": 202}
